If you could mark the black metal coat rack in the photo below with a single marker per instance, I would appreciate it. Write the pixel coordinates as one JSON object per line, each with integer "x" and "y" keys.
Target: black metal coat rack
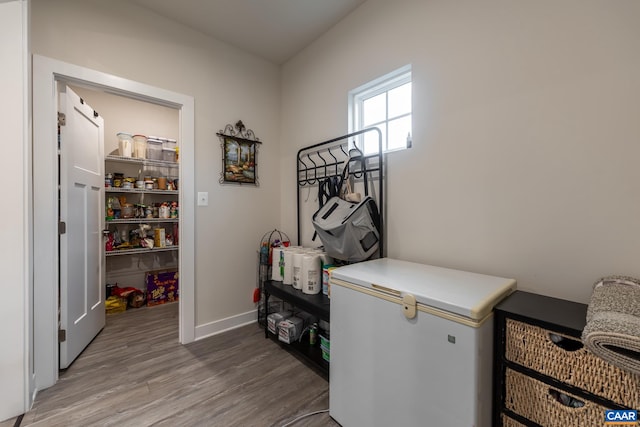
{"x": 324, "y": 163}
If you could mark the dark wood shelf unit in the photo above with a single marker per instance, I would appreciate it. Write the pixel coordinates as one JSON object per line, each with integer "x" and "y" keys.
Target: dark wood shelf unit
{"x": 568, "y": 316}
{"x": 551, "y": 314}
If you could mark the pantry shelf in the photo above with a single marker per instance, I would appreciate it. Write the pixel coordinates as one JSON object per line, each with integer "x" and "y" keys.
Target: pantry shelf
{"x": 139, "y": 251}
{"x": 139, "y": 191}
{"x": 142, "y": 201}
{"x": 145, "y": 162}
{"x": 140, "y": 220}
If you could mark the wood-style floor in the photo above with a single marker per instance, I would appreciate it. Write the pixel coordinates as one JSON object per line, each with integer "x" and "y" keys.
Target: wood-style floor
{"x": 135, "y": 373}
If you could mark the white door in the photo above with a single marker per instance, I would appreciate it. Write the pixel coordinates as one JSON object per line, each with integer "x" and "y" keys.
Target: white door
{"x": 82, "y": 290}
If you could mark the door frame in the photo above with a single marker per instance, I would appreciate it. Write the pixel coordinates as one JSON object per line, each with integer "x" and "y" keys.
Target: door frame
{"x": 44, "y": 311}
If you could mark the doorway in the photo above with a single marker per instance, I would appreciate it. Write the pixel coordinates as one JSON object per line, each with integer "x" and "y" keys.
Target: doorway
{"x": 47, "y": 73}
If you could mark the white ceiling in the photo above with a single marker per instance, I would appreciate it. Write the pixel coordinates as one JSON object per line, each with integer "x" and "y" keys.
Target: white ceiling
{"x": 273, "y": 29}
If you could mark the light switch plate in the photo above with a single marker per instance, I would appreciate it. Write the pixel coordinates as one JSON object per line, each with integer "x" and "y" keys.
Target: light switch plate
{"x": 203, "y": 198}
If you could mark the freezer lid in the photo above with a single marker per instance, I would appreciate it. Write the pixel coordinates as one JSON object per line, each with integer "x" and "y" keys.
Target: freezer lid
{"x": 468, "y": 294}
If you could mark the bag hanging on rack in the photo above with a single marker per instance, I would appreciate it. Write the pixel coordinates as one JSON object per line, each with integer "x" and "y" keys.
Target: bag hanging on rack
{"x": 348, "y": 194}
{"x": 346, "y": 191}
{"x": 348, "y": 231}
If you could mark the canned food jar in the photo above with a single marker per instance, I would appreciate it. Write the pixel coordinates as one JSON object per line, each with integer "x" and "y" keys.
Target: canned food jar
{"x": 127, "y": 211}
{"x": 162, "y": 183}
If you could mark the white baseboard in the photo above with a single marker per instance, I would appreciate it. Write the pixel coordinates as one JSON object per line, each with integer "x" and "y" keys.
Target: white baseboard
{"x": 223, "y": 325}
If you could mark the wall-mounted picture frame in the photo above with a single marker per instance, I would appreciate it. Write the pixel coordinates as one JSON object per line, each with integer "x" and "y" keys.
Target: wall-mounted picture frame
{"x": 239, "y": 155}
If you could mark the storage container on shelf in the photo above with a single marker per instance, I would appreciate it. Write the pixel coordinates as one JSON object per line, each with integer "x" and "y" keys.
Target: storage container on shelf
{"x": 139, "y": 146}
{"x": 154, "y": 149}
{"x": 125, "y": 144}
{"x": 162, "y": 183}
{"x": 169, "y": 154}
{"x": 169, "y": 143}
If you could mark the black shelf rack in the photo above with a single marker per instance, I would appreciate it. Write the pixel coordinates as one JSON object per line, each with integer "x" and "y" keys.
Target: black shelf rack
{"x": 317, "y": 304}
{"x": 315, "y": 164}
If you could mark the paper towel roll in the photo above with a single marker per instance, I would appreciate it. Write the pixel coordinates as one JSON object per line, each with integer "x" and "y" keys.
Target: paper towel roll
{"x": 287, "y": 277}
{"x": 311, "y": 274}
{"x": 277, "y": 264}
{"x": 297, "y": 269}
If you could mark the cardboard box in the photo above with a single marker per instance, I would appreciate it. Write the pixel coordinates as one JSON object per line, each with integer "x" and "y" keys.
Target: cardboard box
{"x": 289, "y": 330}
{"x": 162, "y": 286}
{"x": 274, "y": 319}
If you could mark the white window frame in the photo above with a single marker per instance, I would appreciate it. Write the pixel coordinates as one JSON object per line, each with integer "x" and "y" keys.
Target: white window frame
{"x": 373, "y": 88}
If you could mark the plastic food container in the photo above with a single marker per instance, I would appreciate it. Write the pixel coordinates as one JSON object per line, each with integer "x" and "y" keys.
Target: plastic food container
{"x": 154, "y": 149}
{"x": 139, "y": 146}
{"x": 169, "y": 154}
{"x": 125, "y": 144}
{"x": 169, "y": 143}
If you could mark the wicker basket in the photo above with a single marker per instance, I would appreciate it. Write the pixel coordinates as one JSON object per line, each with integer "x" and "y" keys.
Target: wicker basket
{"x": 510, "y": 422}
{"x": 533, "y": 400}
{"x": 532, "y": 347}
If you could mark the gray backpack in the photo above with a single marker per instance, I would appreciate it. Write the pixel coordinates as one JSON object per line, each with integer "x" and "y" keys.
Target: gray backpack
{"x": 349, "y": 231}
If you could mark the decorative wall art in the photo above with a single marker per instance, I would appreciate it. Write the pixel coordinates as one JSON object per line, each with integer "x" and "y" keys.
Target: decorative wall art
{"x": 239, "y": 155}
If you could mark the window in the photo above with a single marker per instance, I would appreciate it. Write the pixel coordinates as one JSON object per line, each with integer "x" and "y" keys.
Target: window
{"x": 384, "y": 103}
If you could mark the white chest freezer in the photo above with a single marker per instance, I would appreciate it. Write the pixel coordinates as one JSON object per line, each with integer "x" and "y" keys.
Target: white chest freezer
{"x": 412, "y": 345}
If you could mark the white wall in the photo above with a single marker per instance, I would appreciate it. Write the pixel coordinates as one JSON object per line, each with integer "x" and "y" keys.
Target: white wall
{"x": 525, "y": 132}
{"x": 123, "y": 114}
{"x": 119, "y": 38}
{"x": 14, "y": 260}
